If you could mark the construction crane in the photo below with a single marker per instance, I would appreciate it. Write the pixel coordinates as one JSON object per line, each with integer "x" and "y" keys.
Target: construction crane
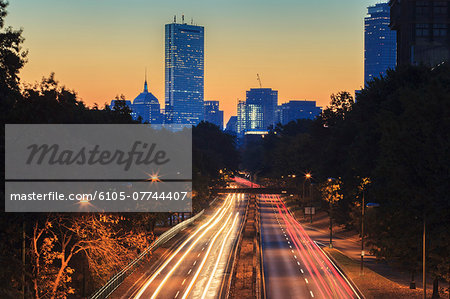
{"x": 259, "y": 80}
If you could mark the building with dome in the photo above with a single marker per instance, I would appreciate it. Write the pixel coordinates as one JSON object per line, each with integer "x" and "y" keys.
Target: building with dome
{"x": 146, "y": 105}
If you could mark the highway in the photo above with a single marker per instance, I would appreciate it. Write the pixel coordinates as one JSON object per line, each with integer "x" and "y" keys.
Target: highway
{"x": 195, "y": 268}
{"x": 295, "y": 266}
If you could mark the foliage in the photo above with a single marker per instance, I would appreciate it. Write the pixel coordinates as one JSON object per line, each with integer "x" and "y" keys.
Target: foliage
{"x": 12, "y": 59}
{"x": 330, "y": 191}
{"x": 396, "y": 134}
{"x": 58, "y": 238}
{"x": 212, "y": 151}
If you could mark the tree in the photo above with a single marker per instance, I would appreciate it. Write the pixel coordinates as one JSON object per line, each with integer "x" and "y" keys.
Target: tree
{"x": 121, "y": 108}
{"x": 58, "y": 238}
{"x": 212, "y": 150}
{"x": 12, "y": 59}
{"x": 340, "y": 106}
{"x": 331, "y": 194}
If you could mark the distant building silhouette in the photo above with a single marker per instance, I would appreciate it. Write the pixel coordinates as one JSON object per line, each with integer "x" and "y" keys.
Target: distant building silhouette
{"x": 241, "y": 125}
{"x": 184, "y": 73}
{"x": 146, "y": 105}
{"x": 261, "y": 100}
{"x": 380, "y": 44}
{"x": 422, "y": 31}
{"x": 232, "y": 125}
{"x": 213, "y": 114}
{"x": 294, "y": 110}
{"x": 257, "y": 112}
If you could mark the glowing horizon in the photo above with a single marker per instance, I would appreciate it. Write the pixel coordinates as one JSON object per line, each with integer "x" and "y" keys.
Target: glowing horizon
{"x": 303, "y": 49}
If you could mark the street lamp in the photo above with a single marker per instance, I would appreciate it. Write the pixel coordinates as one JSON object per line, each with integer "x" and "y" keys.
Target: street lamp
{"x": 362, "y": 233}
{"x": 330, "y": 180}
{"x": 307, "y": 177}
{"x": 364, "y": 183}
{"x": 310, "y": 201}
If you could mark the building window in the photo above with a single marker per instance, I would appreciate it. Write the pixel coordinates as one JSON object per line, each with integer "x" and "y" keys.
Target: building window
{"x": 422, "y": 7}
{"x": 440, "y": 8}
{"x": 439, "y": 29}
{"x": 422, "y": 29}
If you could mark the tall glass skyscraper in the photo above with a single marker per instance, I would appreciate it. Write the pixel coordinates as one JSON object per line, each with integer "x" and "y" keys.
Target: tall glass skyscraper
{"x": 380, "y": 42}
{"x": 258, "y": 111}
{"x": 267, "y": 99}
{"x": 184, "y": 76}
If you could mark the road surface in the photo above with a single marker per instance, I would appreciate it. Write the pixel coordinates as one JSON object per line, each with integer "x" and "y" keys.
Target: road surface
{"x": 195, "y": 268}
{"x": 294, "y": 266}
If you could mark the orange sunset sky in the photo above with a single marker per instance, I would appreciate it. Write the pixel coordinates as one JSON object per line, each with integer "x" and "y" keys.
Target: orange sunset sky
{"x": 100, "y": 48}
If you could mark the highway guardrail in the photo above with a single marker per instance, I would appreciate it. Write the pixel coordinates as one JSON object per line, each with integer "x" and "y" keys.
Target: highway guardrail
{"x": 118, "y": 278}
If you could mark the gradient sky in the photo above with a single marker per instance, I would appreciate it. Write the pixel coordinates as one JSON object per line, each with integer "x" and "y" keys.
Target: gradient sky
{"x": 100, "y": 48}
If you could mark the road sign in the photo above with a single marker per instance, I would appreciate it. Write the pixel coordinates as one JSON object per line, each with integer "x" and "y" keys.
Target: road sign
{"x": 310, "y": 210}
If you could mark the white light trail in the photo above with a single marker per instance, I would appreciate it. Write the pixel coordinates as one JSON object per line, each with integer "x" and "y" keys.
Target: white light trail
{"x": 219, "y": 257}
{"x": 222, "y": 213}
{"x": 152, "y": 278}
{"x": 191, "y": 284}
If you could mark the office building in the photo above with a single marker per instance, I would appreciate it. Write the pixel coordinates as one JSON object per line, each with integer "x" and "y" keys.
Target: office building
{"x": 261, "y": 103}
{"x": 422, "y": 31}
{"x": 213, "y": 114}
{"x": 254, "y": 117}
{"x": 146, "y": 106}
{"x": 232, "y": 125}
{"x": 294, "y": 110}
{"x": 184, "y": 73}
{"x": 250, "y": 118}
{"x": 258, "y": 111}
{"x": 241, "y": 124}
{"x": 380, "y": 42}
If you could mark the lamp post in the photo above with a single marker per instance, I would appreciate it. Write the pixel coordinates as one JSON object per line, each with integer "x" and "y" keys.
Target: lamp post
{"x": 364, "y": 183}
{"x": 424, "y": 277}
{"x": 330, "y": 180}
{"x": 362, "y": 233}
{"x": 307, "y": 177}
{"x": 310, "y": 202}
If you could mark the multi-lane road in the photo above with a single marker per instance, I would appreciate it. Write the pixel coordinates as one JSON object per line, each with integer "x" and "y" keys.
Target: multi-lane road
{"x": 195, "y": 267}
{"x": 294, "y": 265}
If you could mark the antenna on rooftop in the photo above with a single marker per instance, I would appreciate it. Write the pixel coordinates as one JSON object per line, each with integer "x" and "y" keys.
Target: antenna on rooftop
{"x": 259, "y": 80}
{"x": 145, "y": 83}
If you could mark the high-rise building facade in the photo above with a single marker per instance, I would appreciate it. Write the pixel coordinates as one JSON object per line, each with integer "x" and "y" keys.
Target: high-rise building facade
{"x": 213, "y": 114}
{"x": 146, "y": 106}
{"x": 267, "y": 100}
{"x": 258, "y": 111}
{"x": 380, "y": 42}
{"x": 241, "y": 124}
{"x": 184, "y": 73}
{"x": 254, "y": 117}
{"x": 294, "y": 110}
{"x": 232, "y": 125}
{"x": 422, "y": 31}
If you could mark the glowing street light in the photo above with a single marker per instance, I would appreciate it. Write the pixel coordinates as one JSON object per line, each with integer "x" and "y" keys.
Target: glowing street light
{"x": 307, "y": 177}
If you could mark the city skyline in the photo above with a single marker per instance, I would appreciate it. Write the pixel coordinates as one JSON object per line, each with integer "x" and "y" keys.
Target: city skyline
{"x": 100, "y": 51}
